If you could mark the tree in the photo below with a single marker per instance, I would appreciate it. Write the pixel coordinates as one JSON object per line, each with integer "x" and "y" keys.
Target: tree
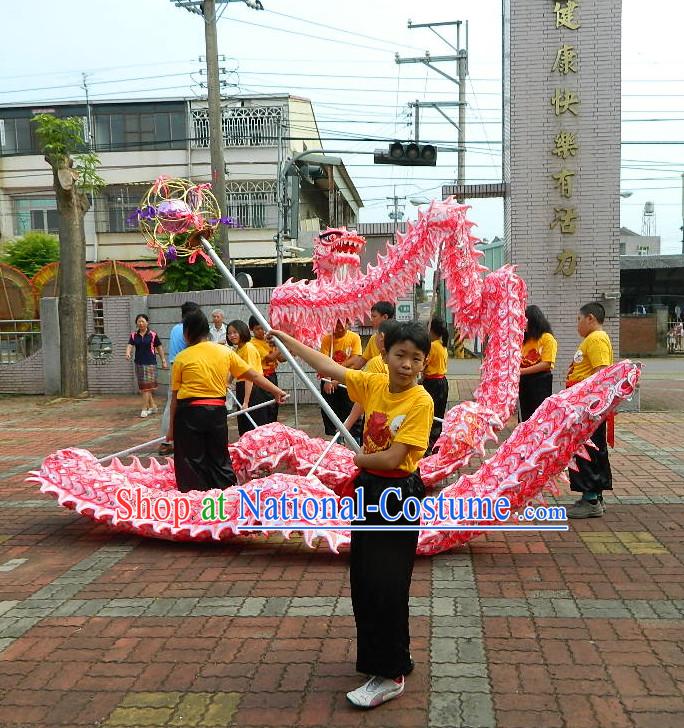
{"x": 31, "y": 252}
{"x": 181, "y": 276}
{"x": 74, "y": 175}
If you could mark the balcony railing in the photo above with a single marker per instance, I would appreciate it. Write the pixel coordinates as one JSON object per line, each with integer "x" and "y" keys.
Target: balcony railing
{"x": 252, "y": 126}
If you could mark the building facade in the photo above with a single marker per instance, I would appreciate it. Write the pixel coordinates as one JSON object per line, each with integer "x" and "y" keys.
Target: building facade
{"x": 561, "y": 157}
{"x": 139, "y": 140}
{"x": 632, "y": 243}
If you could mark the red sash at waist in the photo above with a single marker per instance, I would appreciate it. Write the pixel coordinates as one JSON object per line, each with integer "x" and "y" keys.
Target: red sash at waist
{"x": 434, "y": 376}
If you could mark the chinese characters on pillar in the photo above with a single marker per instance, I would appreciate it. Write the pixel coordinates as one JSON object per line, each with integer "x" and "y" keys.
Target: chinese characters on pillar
{"x": 566, "y": 106}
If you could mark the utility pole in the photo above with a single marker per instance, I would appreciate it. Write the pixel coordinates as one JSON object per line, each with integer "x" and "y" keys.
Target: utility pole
{"x": 395, "y": 213}
{"x": 216, "y": 145}
{"x": 429, "y": 60}
{"x": 682, "y": 213}
{"x": 89, "y": 135}
{"x": 207, "y": 9}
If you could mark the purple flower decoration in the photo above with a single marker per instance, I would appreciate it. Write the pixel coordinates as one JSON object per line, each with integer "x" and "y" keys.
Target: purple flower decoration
{"x": 171, "y": 254}
{"x": 229, "y": 221}
{"x": 145, "y": 213}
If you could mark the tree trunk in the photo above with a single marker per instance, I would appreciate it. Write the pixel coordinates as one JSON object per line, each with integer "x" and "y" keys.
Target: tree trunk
{"x": 72, "y": 206}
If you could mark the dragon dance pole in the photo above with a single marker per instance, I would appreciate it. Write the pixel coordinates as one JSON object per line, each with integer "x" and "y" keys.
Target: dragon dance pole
{"x": 157, "y": 440}
{"x": 328, "y": 447}
{"x": 283, "y": 349}
{"x": 241, "y": 411}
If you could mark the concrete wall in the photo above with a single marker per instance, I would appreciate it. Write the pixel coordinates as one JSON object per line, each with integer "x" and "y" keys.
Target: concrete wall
{"x": 530, "y": 45}
{"x": 164, "y": 311}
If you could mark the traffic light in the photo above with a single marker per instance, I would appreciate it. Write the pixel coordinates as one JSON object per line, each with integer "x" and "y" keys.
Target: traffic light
{"x": 410, "y": 154}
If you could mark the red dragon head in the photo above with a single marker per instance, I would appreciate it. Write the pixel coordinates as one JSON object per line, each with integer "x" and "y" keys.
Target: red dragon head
{"x": 336, "y": 253}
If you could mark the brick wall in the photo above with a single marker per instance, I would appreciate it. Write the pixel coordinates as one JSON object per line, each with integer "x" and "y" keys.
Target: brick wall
{"x": 115, "y": 375}
{"x": 644, "y": 335}
{"x": 531, "y": 41}
{"x": 23, "y": 377}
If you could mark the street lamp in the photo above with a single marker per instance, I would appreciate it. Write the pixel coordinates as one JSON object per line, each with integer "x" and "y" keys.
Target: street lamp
{"x": 289, "y": 167}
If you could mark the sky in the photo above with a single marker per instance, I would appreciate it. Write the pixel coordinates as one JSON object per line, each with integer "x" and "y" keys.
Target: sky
{"x": 341, "y": 55}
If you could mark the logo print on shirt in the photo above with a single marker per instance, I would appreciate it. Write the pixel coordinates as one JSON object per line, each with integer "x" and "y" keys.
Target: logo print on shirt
{"x": 377, "y": 435}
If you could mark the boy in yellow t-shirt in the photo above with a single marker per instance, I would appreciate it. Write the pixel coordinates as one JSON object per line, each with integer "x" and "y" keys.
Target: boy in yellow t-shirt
{"x": 342, "y": 347}
{"x": 593, "y": 476}
{"x": 434, "y": 376}
{"x": 399, "y": 414}
{"x": 380, "y": 312}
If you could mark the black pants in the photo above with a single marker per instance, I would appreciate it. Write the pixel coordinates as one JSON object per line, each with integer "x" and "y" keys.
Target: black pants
{"x": 272, "y": 410}
{"x": 381, "y": 566}
{"x": 534, "y": 389}
{"x": 341, "y": 405}
{"x": 200, "y": 450}
{"x": 259, "y": 416}
{"x": 594, "y": 475}
{"x": 438, "y": 389}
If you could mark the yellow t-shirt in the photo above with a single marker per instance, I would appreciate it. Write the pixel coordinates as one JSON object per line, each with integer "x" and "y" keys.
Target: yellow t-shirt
{"x": 437, "y": 359}
{"x": 537, "y": 350}
{"x": 264, "y": 349}
{"x": 372, "y": 350}
{"x": 404, "y": 417}
{"x": 202, "y": 370}
{"x": 376, "y": 366}
{"x": 347, "y": 345}
{"x": 249, "y": 353}
{"x": 594, "y": 351}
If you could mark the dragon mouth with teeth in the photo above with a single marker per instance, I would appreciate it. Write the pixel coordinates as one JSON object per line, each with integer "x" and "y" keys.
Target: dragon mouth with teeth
{"x": 337, "y": 251}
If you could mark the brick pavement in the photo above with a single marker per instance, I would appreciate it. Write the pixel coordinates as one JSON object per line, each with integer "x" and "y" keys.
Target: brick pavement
{"x": 583, "y": 628}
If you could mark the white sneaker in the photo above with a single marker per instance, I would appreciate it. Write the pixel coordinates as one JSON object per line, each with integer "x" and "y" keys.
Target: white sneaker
{"x": 376, "y": 691}
{"x": 144, "y": 413}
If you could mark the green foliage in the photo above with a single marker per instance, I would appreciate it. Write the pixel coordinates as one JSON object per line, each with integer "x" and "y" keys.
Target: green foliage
{"x": 88, "y": 178}
{"x": 181, "y": 276}
{"x": 31, "y": 252}
{"x": 61, "y": 139}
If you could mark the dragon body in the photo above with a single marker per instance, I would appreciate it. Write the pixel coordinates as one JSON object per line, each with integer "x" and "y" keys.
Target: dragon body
{"x": 275, "y": 459}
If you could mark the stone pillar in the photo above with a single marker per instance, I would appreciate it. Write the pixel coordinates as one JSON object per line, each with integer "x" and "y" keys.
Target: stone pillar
{"x": 561, "y": 158}
{"x": 49, "y": 334}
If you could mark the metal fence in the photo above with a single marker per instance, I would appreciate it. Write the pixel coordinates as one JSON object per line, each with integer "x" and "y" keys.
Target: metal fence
{"x": 19, "y": 339}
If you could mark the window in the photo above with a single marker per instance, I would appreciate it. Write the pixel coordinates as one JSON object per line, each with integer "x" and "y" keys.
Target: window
{"x": 253, "y": 204}
{"x": 643, "y": 250}
{"x": 35, "y": 213}
{"x": 16, "y": 137}
{"x": 114, "y": 207}
{"x": 623, "y": 248}
{"x": 140, "y": 131}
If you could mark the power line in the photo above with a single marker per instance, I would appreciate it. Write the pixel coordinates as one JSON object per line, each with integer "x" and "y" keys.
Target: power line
{"x": 342, "y": 30}
{"x": 306, "y": 35}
